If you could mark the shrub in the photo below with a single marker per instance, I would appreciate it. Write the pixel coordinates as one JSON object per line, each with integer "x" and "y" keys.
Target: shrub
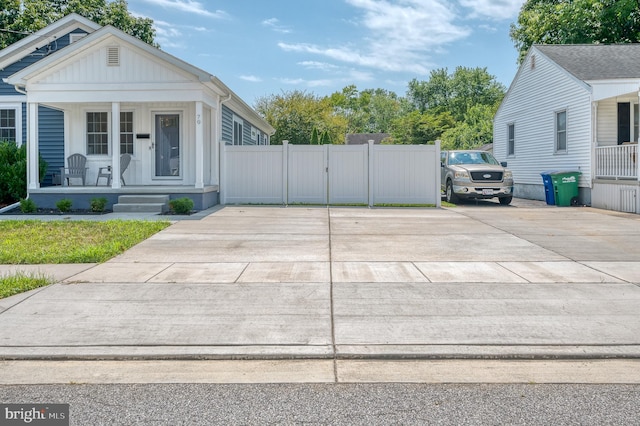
{"x": 98, "y": 204}
{"x": 13, "y": 171}
{"x": 181, "y": 205}
{"x": 64, "y": 205}
{"x": 28, "y": 206}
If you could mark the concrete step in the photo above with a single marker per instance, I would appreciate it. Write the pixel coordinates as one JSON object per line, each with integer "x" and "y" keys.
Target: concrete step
{"x": 140, "y": 208}
{"x": 142, "y": 199}
{"x": 142, "y": 204}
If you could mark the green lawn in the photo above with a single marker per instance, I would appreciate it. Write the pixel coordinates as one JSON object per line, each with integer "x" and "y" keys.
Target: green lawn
{"x": 36, "y": 242}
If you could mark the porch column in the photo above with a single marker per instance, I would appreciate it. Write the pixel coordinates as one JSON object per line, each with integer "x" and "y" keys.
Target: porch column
{"x": 199, "y": 146}
{"x": 115, "y": 145}
{"x": 32, "y": 146}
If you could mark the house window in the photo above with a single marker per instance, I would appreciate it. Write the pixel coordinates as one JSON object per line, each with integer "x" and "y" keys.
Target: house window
{"x": 97, "y": 133}
{"x": 561, "y": 131}
{"x": 511, "y": 140}
{"x": 8, "y": 125}
{"x": 126, "y": 132}
{"x": 238, "y": 129}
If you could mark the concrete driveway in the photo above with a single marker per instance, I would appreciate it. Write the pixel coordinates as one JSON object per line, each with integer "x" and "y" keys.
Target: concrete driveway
{"x": 476, "y": 281}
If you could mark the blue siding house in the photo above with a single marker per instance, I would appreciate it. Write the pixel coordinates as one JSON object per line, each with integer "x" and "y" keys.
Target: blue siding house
{"x": 76, "y": 87}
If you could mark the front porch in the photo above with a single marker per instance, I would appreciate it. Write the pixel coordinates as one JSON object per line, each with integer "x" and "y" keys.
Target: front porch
{"x": 616, "y": 185}
{"x": 81, "y": 196}
{"x": 619, "y": 162}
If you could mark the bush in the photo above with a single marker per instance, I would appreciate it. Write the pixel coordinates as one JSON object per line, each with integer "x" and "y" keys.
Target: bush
{"x": 13, "y": 172}
{"x": 181, "y": 205}
{"x": 98, "y": 204}
{"x": 64, "y": 205}
{"x": 28, "y": 206}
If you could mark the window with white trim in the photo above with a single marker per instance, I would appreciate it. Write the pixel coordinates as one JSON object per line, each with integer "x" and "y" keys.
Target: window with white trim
{"x": 8, "y": 125}
{"x": 126, "y": 132}
{"x": 97, "y": 133}
{"x": 238, "y": 129}
{"x": 511, "y": 140}
{"x": 561, "y": 131}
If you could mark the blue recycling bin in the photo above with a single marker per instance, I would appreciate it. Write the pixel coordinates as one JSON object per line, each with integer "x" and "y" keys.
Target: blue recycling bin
{"x": 549, "y": 191}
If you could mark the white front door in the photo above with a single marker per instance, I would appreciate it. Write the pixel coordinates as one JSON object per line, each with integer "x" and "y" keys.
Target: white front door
{"x": 166, "y": 155}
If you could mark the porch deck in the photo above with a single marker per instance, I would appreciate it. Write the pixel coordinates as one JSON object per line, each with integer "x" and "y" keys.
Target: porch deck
{"x": 617, "y": 162}
{"x": 81, "y": 196}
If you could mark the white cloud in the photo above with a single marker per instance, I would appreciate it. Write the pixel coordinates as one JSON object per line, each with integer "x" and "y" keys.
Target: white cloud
{"x": 275, "y": 25}
{"x": 400, "y": 35}
{"x": 188, "y": 6}
{"x": 494, "y": 9}
{"x": 251, "y": 78}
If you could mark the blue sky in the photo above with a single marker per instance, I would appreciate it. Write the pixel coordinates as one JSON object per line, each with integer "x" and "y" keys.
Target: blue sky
{"x": 262, "y": 47}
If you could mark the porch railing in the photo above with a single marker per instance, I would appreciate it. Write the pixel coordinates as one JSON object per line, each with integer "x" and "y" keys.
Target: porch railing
{"x": 617, "y": 162}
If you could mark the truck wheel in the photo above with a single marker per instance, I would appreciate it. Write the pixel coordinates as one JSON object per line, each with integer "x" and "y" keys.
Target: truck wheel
{"x": 505, "y": 201}
{"x": 451, "y": 196}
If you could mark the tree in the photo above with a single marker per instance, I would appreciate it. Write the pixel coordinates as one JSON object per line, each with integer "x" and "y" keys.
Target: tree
{"x": 21, "y": 18}
{"x": 367, "y": 111}
{"x": 575, "y": 21}
{"x": 476, "y": 130}
{"x": 295, "y": 114}
{"x": 455, "y": 93}
{"x": 420, "y": 127}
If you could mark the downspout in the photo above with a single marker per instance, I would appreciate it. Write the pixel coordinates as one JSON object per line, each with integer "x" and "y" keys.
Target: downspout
{"x": 219, "y": 144}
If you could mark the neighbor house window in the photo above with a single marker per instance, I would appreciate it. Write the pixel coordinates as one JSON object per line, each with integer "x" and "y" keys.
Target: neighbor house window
{"x": 561, "y": 131}
{"x": 511, "y": 140}
{"x": 238, "y": 129}
{"x": 97, "y": 133}
{"x": 8, "y": 125}
{"x": 126, "y": 132}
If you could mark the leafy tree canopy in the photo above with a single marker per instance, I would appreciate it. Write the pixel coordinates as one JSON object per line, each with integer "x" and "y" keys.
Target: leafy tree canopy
{"x": 576, "y": 21}
{"x": 18, "y": 18}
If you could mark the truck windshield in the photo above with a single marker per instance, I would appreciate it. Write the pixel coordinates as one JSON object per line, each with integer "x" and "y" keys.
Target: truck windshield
{"x": 472, "y": 158}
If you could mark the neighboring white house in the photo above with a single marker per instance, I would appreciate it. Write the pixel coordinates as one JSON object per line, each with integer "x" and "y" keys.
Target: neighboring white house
{"x": 76, "y": 87}
{"x": 574, "y": 108}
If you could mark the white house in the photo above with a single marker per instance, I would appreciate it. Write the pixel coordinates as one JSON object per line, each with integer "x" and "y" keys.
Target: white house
{"x": 76, "y": 87}
{"x": 574, "y": 108}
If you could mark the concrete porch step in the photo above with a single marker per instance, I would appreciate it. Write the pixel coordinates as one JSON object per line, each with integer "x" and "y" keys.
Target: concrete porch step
{"x": 142, "y": 204}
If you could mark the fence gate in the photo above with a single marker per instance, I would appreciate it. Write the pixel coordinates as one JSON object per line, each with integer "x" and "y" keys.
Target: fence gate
{"x": 330, "y": 174}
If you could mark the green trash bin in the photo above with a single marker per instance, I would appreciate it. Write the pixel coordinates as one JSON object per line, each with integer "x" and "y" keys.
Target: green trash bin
{"x": 565, "y": 187}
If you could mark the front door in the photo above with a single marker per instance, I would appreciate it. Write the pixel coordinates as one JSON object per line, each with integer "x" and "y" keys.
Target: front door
{"x": 167, "y": 146}
{"x": 624, "y": 122}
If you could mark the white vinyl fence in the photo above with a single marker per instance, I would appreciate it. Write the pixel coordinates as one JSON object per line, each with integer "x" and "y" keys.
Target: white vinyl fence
{"x": 331, "y": 174}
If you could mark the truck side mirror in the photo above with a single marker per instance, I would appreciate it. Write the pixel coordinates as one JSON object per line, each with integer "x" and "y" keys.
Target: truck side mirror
{"x": 503, "y": 163}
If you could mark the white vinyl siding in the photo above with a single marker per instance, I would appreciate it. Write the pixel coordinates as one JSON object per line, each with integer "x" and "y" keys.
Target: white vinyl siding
{"x": 532, "y": 101}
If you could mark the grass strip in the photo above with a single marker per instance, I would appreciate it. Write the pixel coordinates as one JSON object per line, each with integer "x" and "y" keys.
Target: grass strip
{"x": 40, "y": 242}
{"x": 21, "y": 282}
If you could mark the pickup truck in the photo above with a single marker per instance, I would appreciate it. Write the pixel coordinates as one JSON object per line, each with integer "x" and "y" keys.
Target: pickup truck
{"x": 468, "y": 174}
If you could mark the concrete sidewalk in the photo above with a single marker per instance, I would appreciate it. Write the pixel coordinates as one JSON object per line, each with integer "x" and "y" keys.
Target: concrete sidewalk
{"x": 264, "y": 283}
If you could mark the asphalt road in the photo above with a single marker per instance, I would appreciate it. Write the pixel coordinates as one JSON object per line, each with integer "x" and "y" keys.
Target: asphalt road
{"x": 338, "y": 404}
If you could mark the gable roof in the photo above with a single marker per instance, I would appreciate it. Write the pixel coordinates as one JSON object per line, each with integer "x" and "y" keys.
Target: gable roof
{"x": 596, "y": 61}
{"x": 46, "y": 35}
{"x": 101, "y": 33}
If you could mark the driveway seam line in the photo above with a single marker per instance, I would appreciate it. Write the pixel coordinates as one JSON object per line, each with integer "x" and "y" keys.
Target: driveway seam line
{"x": 333, "y": 328}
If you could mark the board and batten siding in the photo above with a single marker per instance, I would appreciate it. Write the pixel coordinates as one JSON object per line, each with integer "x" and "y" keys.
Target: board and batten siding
{"x": 538, "y": 91}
